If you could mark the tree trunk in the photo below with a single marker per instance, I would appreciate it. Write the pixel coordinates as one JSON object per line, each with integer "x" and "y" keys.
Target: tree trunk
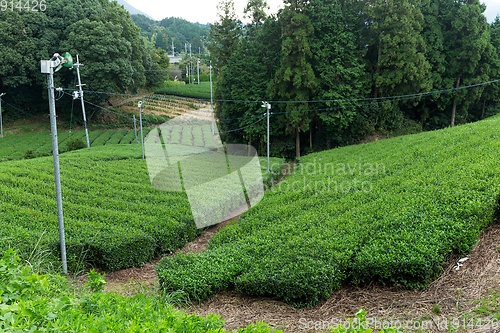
{"x": 297, "y": 142}
{"x": 454, "y": 110}
{"x": 484, "y": 105}
{"x": 375, "y": 95}
{"x": 310, "y": 138}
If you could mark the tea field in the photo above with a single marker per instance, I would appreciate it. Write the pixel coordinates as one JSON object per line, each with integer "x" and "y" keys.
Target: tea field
{"x": 15, "y": 147}
{"x": 388, "y": 211}
{"x": 113, "y": 217}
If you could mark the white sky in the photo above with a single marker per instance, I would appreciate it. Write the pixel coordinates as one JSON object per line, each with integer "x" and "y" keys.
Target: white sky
{"x": 204, "y": 11}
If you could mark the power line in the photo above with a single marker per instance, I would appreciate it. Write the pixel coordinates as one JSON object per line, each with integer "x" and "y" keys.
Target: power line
{"x": 416, "y": 95}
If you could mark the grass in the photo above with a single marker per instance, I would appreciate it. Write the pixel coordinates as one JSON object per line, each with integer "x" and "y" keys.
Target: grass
{"x": 30, "y": 145}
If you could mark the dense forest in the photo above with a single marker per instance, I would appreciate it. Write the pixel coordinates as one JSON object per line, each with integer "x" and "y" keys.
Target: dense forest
{"x": 161, "y": 34}
{"x": 333, "y": 67}
{"x": 101, "y": 32}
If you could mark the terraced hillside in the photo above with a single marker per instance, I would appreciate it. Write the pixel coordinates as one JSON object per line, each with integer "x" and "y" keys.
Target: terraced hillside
{"x": 387, "y": 211}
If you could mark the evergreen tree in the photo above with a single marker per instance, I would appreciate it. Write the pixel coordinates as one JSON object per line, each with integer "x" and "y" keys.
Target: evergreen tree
{"x": 466, "y": 38}
{"x": 225, "y": 36}
{"x": 338, "y": 52}
{"x": 295, "y": 79}
{"x": 399, "y": 63}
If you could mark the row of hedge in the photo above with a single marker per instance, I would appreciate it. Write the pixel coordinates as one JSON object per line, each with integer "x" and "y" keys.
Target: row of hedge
{"x": 388, "y": 211}
{"x": 32, "y": 145}
{"x": 113, "y": 217}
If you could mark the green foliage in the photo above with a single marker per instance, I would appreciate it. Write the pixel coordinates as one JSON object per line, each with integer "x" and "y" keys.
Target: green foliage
{"x": 75, "y": 144}
{"x": 36, "y": 145}
{"x": 100, "y": 32}
{"x": 201, "y": 90}
{"x": 113, "y": 217}
{"x": 388, "y": 211}
{"x": 96, "y": 281}
{"x": 41, "y": 303}
{"x": 295, "y": 79}
{"x": 347, "y": 52}
{"x": 170, "y": 84}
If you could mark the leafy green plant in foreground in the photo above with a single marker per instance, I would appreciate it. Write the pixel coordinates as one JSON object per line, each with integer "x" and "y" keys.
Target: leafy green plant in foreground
{"x": 96, "y": 281}
{"x": 43, "y": 303}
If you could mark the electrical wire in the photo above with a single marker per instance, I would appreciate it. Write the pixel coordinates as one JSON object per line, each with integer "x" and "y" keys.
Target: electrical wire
{"x": 416, "y": 95}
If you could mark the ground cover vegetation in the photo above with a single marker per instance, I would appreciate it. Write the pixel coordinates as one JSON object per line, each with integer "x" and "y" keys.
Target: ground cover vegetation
{"x": 388, "y": 211}
{"x": 34, "y": 302}
{"x": 348, "y": 57}
{"x": 114, "y": 218}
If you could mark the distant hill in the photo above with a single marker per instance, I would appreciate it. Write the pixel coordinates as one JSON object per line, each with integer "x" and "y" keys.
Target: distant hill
{"x": 131, "y": 9}
{"x": 173, "y": 29}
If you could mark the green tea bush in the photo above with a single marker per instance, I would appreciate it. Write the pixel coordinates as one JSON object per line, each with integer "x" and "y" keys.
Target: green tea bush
{"x": 113, "y": 217}
{"x": 388, "y": 211}
{"x": 75, "y": 144}
{"x": 201, "y": 91}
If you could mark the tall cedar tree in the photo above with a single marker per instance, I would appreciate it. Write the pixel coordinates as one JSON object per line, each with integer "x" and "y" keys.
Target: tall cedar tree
{"x": 399, "y": 65}
{"x": 247, "y": 73}
{"x": 225, "y": 35}
{"x": 295, "y": 79}
{"x": 466, "y": 38}
{"x": 338, "y": 52}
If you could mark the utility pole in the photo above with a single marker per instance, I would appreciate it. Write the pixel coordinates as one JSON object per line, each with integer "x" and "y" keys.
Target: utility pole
{"x": 1, "y": 124}
{"x": 198, "y": 64}
{"x": 140, "y": 121}
{"x": 268, "y": 107}
{"x": 190, "y": 63}
{"x": 47, "y": 67}
{"x": 173, "y": 49}
{"x": 211, "y": 100}
{"x": 135, "y": 130}
{"x": 80, "y": 92}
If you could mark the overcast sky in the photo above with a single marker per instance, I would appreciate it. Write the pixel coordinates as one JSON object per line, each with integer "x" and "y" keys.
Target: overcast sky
{"x": 204, "y": 11}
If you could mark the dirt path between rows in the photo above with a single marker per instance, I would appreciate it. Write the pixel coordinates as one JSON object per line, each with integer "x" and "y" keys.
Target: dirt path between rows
{"x": 478, "y": 275}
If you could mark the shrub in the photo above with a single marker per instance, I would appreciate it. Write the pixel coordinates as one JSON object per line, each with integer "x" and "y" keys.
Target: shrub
{"x": 75, "y": 144}
{"x": 389, "y": 211}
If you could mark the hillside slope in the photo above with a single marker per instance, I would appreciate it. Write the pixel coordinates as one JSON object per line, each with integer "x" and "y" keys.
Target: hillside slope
{"x": 388, "y": 211}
